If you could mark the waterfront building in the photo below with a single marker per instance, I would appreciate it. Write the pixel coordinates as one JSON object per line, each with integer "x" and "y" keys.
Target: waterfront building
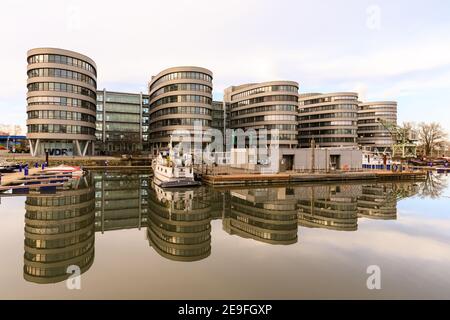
{"x": 122, "y": 123}
{"x": 219, "y": 116}
{"x": 61, "y": 102}
{"x": 267, "y": 105}
{"x": 329, "y": 207}
{"x": 59, "y": 232}
{"x": 372, "y": 135}
{"x": 265, "y": 215}
{"x": 328, "y": 119}
{"x": 179, "y": 97}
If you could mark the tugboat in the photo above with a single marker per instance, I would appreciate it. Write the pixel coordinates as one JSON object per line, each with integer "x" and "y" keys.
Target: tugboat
{"x": 7, "y": 167}
{"x": 173, "y": 170}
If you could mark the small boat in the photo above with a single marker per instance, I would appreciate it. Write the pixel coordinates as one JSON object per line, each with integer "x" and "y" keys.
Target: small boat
{"x": 7, "y": 167}
{"x": 173, "y": 170}
{"x": 75, "y": 170}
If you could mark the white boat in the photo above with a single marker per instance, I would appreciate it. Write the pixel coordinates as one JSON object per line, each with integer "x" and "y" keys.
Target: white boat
{"x": 173, "y": 170}
{"x": 75, "y": 170}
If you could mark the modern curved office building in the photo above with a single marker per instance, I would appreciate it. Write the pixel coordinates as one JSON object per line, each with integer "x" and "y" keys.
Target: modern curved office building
{"x": 371, "y": 133}
{"x": 267, "y": 105}
{"x": 61, "y": 102}
{"x": 179, "y": 98}
{"x": 330, "y": 119}
{"x": 59, "y": 232}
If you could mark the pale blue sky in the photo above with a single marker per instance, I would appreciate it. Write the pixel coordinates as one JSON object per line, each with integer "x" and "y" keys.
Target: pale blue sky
{"x": 385, "y": 50}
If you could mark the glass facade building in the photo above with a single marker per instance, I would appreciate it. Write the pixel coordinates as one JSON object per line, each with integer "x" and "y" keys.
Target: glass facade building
{"x": 122, "y": 123}
{"x": 180, "y": 98}
{"x": 372, "y": 135}
{"x": 268, "y": 105}
{"x": 328, "y": 119}
{"x": 61, "y": 100}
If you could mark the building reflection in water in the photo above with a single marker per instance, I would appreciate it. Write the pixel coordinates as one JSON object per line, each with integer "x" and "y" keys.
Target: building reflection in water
{"x": 329, "y": 206}
{"x": 121, "y": 200}
{"x": 379, "y": 201}
{"x": 60, "y": 227}
{"x": 59, "y": 232}
{"x": 266, "y": 215}
{"x": 179, "y": 224}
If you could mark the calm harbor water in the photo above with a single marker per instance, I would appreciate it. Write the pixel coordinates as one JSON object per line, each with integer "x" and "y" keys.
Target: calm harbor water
{"x": 133, "y": 240}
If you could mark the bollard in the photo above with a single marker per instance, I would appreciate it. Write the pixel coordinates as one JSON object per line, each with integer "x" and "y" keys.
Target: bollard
{"x": 43, "y": 165}
{"x": 36, "y": 165}
{"x": 25, "y": 171}
{"x": 20, "y": 167}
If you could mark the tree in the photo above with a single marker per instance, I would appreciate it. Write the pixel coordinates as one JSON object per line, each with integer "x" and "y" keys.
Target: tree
{"x": 432, "y": 137}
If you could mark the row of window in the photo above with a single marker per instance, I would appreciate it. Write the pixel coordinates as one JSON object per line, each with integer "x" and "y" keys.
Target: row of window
{"x": 63, "y": 115}
{"x": 60, "y": 256}
{"x": 330, "y": 107}
{"x": 61, "y": 101}
{"x": 331, "y": 131}
{"x": 181, "y": 110}
{"x": 264, "y": 89}
{"x": 180, "y": 122}
{"x": 388, "y": 107}
{"x": 57, "y": 271}
{"x": 61, "y": 73}
{"x": 329, "y": 140}
{"x": 182, "y": 87}
{"x": 58, "y": 243}
{"x": 53, "y": 202}
{"x": 182, "y": 75}
{"x": 60, "y": 128}
{"x": 328, "y": 124}
{"x": 274, "y": 117}
{"x": 63, "y": 87}
{"x": 181, "y": 98}
{"x": 264, "y": 99}
{"x": 329, "y": 115}
{"x": 276, "y": 107}
{"x": 59, "y": 227}
{"x": 328, "y": 99}
{"x": 55, "y": 58}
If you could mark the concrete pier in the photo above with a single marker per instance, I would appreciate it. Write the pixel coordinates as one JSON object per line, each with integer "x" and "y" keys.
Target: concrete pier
{"x": 258, "y": 179}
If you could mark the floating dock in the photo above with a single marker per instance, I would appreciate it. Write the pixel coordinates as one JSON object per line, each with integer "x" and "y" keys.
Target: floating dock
{"x": 258, "y": 179}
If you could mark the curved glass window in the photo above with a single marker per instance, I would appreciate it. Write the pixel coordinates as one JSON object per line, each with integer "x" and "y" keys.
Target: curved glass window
{"x": 181, "y": 98}
{"x": 61, "y": 73}
{"x": 61, "y": 101}
{"x": 63, "y": 87}
{"x": 264, "y": 99}
{"x": 62, "y": 115}
{"x": 181, "y": 110}
{"x": 55, "y": 58}
{"x": 182, "y": 87}
{"x": 180, "y": 122}
{"x": 60, "y": 128}
{"x": 251, "y": 92}
{"x": 182, "y": 75}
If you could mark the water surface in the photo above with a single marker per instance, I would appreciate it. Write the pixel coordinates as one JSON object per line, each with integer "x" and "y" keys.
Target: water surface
{"x": 133, "y": 240}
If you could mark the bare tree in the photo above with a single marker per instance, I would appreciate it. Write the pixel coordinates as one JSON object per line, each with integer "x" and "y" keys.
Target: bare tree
{"x": 432, "y": 137}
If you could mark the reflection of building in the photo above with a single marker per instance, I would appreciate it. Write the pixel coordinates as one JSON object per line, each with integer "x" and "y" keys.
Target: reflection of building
{"x": 329, "y": 207}
{"x": 121, "y": 200}
{"x": 329, "y": 119}
{"x": 59, "y": 232}
{"x": 378, "y": 202}
{"x": 122, "y": 122}
{"x": 266, "y": 215}
{"x": 61, "y": 100}
{"x": 179, "y": 224}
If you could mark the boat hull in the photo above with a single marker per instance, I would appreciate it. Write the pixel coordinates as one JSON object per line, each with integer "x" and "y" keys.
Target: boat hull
{"x": 176, "y": 183}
